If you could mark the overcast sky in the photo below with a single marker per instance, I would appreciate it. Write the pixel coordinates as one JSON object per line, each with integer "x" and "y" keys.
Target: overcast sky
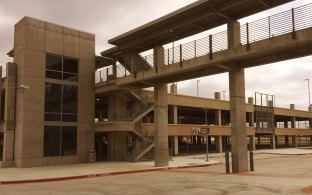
{"x": 109, "y": 18}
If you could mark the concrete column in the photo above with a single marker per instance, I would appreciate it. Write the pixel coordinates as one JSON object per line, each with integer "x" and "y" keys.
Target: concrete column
{"x": 252, "y": 142}
{"x": 9, "y": 125}
{"x": 285, "y": 124}
{"x": 293, "y": 122}
{"x": 175, "y": 145}
{"x": 218, "y": 115}
{"x": 251, "y": 119}
{"x": 272, "y": 141}
{"x": 286, "y": 140}
{"x": 238, "y": 120}
{"x": 160, "y": 114}
{"x": 237, "y": 105}
{"x": 294, "y": 141}
{"x": 219, "y": 143}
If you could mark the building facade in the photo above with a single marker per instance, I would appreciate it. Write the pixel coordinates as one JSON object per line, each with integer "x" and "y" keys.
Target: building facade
{"x": 59, "y": 101}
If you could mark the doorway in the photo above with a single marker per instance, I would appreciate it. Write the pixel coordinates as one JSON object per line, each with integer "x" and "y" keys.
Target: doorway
{"x": 101, "y": 146}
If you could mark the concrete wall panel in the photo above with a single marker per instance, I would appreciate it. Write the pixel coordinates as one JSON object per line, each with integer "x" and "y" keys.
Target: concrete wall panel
{"x": 54, "y": 42}
{"x": 35, "y": 38}
{"x": 71, "y": 46}
{"x": 87, "y": 49}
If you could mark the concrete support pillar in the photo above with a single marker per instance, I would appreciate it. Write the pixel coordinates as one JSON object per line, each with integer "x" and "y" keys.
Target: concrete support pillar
{"x": 286, "y": 140}
{"x": 9, "y": 125}
{"x": 218, "y": 119}
{"x": 259, "y": 139}
{"x": 294, "y": 141}
{"x": 272, "y": 141}
{"x": 293, "y": 122}
{"x": 160, "y": 114}
{"x": 237, "y": 105}
{"x": 175, "y": 145}
{"x": 252, "y": 143}
{"x": 219, "y": 143}
{"x": 238, "y": 120}
{"x": 285, "y": 124}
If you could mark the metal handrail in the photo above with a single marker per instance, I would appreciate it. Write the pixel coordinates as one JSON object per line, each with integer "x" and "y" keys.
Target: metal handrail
{"x": 285, "y": 22}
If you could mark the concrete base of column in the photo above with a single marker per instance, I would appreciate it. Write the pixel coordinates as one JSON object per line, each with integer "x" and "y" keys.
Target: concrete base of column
{"x": 7, "y": 164}
{"x": 219, "y": 143}
{"x": 294, "y": 141}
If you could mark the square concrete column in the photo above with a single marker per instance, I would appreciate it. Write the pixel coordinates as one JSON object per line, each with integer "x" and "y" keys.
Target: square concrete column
{"x": 218, "y": 115}
{"x": 219, "y": 143}
{"x": 294, "y": 141}
{"x": 286, "y": 140}
{"x": 272, "y": 141}
{"x": 175, "y": 145}
{"x": 238, "y": 120}
{"x": 252, "y": 143}
{"x": 285, "y": 124}
{"x": 160, "y": 114}
{"x": 251, "y": 119}
{"x": 293, "y": 122}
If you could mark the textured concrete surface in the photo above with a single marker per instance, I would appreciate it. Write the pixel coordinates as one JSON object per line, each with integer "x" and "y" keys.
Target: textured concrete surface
{"x": 274, "y": 174}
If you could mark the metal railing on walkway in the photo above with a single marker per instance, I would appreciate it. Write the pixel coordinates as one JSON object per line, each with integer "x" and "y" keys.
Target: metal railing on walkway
{"x": 285, "y": 22}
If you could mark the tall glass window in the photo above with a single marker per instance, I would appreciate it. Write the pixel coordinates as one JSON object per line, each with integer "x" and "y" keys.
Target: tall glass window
{"x": 61, "y": 98}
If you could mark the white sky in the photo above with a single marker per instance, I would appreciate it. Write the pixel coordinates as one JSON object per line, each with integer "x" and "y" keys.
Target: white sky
{"x": 109, "y": 18}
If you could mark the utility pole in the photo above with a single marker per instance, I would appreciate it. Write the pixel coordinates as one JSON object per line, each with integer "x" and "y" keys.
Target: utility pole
{"x": 197, "y": 87}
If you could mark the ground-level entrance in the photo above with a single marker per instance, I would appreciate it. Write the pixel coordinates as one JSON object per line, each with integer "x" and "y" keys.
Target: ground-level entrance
{"x": 1, "y": 146}
{"x": 101, "y": 146}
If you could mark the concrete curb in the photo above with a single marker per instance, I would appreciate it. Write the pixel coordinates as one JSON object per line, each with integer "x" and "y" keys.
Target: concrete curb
{"x": 88, "y": 176}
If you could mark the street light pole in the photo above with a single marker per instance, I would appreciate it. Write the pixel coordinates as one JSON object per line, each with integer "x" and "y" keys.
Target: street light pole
{"x": 223, "y": 95}
{"x": 309, "y": 90}
{"x": 206, "y": 123}
{"x": 197, "y": 87}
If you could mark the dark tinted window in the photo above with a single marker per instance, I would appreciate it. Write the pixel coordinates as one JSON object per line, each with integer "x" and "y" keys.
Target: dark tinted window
{"x": 69, "y": 99}
{"x": 69, "y": 141}
{"x": 53, "y": 62}
{"x": 52, "y": 117}
{"x": 69, "y": 117}
{"x": 52, "y": 141}
{"x": 53, "y": 97}
{"x": 70, "y": 65}
{"x": 70, "y": 77}
{"x": 53, "y": 74}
